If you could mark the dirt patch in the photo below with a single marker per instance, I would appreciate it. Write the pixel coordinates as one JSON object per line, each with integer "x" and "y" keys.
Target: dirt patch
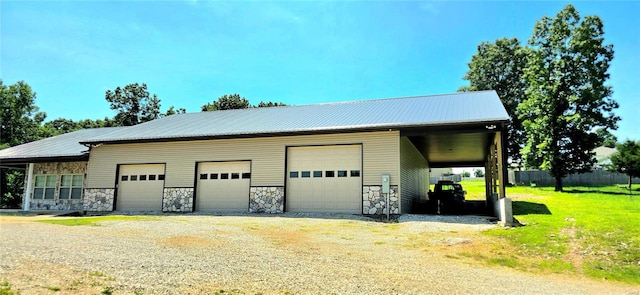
{"x": 35, "y": 277}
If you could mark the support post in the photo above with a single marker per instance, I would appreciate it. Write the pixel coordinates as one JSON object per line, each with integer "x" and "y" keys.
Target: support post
{"x": 27, "y": 192}
{"x": 501, "y": 165}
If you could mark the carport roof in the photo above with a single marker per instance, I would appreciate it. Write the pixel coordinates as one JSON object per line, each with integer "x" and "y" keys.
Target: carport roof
{"x": 62, "y": 147}
{"x": 409, "y": 112}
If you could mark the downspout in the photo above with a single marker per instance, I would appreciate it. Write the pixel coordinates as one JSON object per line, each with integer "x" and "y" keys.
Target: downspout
{"x": 27, "y": 194}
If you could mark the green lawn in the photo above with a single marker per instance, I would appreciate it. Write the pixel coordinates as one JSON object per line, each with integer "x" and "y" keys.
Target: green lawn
{"x": 593, "y": 231}
{"x": 74, "y": 221}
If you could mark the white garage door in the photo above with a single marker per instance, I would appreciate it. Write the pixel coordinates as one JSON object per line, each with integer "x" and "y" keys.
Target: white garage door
{"x": 324, "y": 179}
{"x": 140, "y": 187}
{"x": 223, "y": 186}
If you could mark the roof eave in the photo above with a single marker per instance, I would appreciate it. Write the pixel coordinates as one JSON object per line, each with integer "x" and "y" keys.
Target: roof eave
{"x": 46, "y": 159}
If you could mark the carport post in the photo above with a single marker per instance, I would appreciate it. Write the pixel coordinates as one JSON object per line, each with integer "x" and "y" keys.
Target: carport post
{"x": 502, "y": 161}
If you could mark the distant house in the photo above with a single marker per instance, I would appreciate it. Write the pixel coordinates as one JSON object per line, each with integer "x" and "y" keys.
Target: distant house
{"x": 603, "y": 156}
{"x": 312, "y": 158}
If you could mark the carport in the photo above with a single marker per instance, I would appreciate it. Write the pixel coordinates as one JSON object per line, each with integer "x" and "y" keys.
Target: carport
{"x": 470, "y": 145}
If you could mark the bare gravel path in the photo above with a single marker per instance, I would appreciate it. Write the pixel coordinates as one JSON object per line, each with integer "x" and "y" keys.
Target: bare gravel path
{"x": 248, "y": 254}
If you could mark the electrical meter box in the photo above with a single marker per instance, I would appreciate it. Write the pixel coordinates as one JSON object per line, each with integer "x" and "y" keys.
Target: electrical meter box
{"x": 385, "y": 183}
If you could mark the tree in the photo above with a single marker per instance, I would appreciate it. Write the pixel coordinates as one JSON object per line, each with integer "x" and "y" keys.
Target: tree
{"x": 607, "y": 138}
{"x": 269, "y": 104}
{"x": 478, "y": 173}
{"x": 19, "y": 116}
{"x": 627, "y": 159}
{"x": 500, "y": 66}
{"x": 134, "y": 104}
{"x": 20, "y": 123}
{"x": 173, "y": 111}
{"x": 465, "y": 174}
{"x": 567, "y": 99}
{"x": 227, "y": 102}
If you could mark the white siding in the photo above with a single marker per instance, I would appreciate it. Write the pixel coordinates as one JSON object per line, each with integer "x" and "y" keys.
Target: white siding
{"x": 267, "y": 155}
{"x": 414, "y": 174}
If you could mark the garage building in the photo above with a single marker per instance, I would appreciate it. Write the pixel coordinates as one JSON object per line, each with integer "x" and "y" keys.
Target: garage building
{"x": 311, "y": 158}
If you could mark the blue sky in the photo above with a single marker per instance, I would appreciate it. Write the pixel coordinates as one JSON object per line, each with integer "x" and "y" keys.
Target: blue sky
{"x": 192, "y": 52}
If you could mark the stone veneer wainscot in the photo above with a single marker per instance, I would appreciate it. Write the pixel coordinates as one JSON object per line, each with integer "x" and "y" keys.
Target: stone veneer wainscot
{"x": 374, "y": 201}
{"x": 58, "y": 169}
{"x": 177, "y": 199}
{"x": 266, "y": 199}
{"x": 98, "y": 199}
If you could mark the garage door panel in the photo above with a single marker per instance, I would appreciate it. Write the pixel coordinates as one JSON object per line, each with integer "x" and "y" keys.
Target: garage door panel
{"x": 227, "y": 190}
{"x": 323, "y": 190}
{"x": 140, "y": 187}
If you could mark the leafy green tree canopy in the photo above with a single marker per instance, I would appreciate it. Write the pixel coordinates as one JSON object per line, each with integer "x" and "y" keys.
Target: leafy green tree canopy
{"x": 608, "y": 139}
{"x": 134, "y": 104}
{"x": 478, "y": 173}
{"x": 627, "y": 159}
{"x": 269, "y": 104}
{"x": 234, "y": 102}
{"x": 567, "y": 99}
{"x": 172, "y": 111}
{"x": 20, "y": 123}
{"x": 500, "y": 66}
{"x": 19, "y": 116}
{"x": 227, "y": 102}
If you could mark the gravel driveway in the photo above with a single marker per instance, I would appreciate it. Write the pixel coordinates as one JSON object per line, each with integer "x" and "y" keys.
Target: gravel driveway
{"x": 249, "y": 254}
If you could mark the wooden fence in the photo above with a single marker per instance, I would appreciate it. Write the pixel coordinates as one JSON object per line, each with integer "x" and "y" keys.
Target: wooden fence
{"x": 594, "y": 178}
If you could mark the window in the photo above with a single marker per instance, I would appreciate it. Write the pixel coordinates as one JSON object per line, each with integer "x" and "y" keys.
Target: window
{"x": 342, "y": 173}
{"x": 317, "y": 173}
{"x": 143, "y": 177}
{"x": 293, "y": 174}
{"x": 246, "y": 175}
{"x": 204, "y": 176}
{"x": 134, "y": 177}
{"x": 45, "y": 187}
{"x": 124, "y": 177}
{"x": 355, "y": 173}
{"x": 235, "y": 175}
{"x": 152, "y": 177}
{"x": 71, "y": 187}
{"x": 224, "y": 175}
{"x": 329, "y": 174}
{"x": 160, "y": 176}
{"x": 213, "y": 176}
{"x": 306, "y": 174}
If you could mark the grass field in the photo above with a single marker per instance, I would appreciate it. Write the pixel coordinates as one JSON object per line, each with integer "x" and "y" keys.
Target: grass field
{"x": 593, "y": 231}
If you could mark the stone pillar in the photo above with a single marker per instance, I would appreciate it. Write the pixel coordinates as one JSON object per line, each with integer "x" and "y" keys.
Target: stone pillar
{"x": 177, "y": 199}
{"x": 266, "y": 199}
{"x": 374, "y": 201}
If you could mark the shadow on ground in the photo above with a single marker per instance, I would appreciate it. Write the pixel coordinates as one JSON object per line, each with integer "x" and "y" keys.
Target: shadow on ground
{"x": 525, "y": 208}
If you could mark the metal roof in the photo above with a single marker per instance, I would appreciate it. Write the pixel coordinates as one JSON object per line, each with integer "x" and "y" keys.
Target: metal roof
{"x": 62, "y": 146}
{"x": 419, "y": 111}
